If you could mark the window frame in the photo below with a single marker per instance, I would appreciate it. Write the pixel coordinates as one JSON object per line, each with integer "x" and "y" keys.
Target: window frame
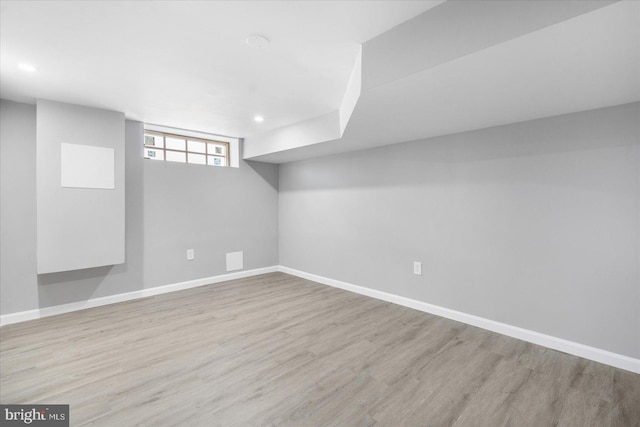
{"x": 164, "y": 149}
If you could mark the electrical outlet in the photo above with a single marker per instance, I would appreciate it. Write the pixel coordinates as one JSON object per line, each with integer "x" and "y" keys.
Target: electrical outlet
{"x": 417, "y": 268}
{"x": 191, "y": 254}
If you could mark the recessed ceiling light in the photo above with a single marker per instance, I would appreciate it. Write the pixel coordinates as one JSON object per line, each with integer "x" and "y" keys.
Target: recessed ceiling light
{"x": 258, "y": 119}
{"x": 257, "y": 41}
{"x": 28, "y": 68}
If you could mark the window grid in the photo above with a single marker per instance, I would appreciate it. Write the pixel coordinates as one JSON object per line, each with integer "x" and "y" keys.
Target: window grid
{"x": 186, "y": 151}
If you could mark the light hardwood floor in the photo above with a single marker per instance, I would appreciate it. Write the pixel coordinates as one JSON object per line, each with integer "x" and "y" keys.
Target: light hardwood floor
{"x": 279, "y": 350}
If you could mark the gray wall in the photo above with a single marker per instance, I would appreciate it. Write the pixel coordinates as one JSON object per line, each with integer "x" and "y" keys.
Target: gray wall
{"x": 18, "y": 290}
{"x": 78, "y": 228}
{"x": 250, "y": 194}
{"x": 211, "y": 210}
{"x": 534, "y": 224}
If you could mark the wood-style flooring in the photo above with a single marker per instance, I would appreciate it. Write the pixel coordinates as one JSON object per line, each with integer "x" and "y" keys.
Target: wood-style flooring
{"x": 277, "y": 350}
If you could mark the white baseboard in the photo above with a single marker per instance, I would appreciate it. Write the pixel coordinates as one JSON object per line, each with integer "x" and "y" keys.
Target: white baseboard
{"x": 23, "y": 316}
{"x": 581, "y": 350}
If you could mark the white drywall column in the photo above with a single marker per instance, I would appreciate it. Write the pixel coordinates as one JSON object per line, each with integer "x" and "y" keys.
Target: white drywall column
{"x": 78, "y": 227}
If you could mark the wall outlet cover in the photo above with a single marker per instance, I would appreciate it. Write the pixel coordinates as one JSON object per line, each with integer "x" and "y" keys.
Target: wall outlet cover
{"x": 417, "y": 268}
{"x": 191, "y": 254}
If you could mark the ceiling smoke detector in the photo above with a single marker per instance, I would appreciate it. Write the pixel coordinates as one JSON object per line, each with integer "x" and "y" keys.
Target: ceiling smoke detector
{"x": 257, "y": 41}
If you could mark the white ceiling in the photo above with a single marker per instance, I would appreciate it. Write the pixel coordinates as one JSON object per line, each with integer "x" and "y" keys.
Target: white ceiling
{"x": 185, "y": 64}
{"x": 589, "y": 61}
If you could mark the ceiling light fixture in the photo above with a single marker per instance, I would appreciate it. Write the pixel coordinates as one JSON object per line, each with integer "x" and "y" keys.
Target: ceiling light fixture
{"x": 258, "y": 119}
{"x": 257, "y": 41}
{"x": 28, "y": 68}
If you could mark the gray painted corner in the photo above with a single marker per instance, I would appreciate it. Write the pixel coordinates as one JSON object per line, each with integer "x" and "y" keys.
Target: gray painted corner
{"x": 158, "y": 227}
{"x": 534, "y": 224}
{"x": 210, "y": 210}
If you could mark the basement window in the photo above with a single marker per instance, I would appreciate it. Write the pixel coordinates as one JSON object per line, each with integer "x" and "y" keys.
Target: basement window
{"x": 172, "y": 147}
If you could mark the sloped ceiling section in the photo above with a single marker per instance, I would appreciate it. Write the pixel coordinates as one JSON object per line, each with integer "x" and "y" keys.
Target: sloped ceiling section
{"x": 467, "y": 65}
{"x": 316, "y": 130}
